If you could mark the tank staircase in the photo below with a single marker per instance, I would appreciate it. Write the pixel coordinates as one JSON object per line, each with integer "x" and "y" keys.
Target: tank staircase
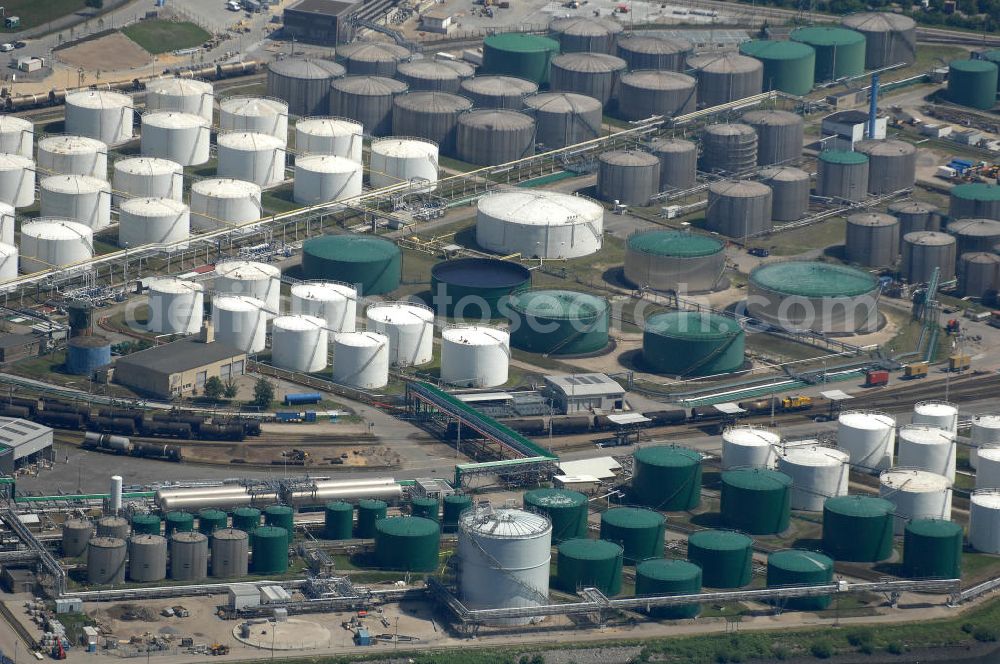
{"x": 366, "y": 19}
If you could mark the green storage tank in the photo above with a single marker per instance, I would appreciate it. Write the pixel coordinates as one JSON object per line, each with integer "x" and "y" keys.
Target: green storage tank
{"x": 587, "y": 563}
{"x": 858, "y": 528}
{"x": 426, "y": 508}
{"x": 558, "y": 322}
{"x": 372, "y": 262}
{"x": 270, "y": 550}
{"x": 756, "y": 500}
{"x": 145, "y": 524}
{"x": 666, "y": 478}
{"x": 932, "y": 548}
{"x": 798, "y": 567}
{"x": 210, "y": 520}
{"x": 659, "y": 576}
{"x": 669, "y": 260}
{"x": 638, "y": 530}
{"x": 338, "y": 521}
{"x": 369, "y": 512}
{"x": 975, "y": 200}
{"x": 407, "y": 543}
{"x": 476, "y": 288}
{"x": 567, "y": 510}
{"x": 991, "y": 56}
{"x": 725, "y": 557}
{"x": 178, "y": 522}
{"x": 454, "y": 505}
{"x": 789, "y": 66}
{"x": 973, "y": 83}
{"x": 246, "y": 519}
{"x": 839, "y": 52}
{"x": 281, "y": 516}
{"x": 690, "y": 343}
{"x": 520, "y": 55}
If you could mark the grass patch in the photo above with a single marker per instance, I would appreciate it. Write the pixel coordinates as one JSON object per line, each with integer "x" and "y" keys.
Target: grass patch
{"x": 34, "y": 13}
{"x": 800, "y": 240}
{"x": 162, "y": 36}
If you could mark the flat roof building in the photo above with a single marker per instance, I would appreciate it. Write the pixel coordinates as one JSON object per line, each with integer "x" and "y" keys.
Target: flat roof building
{"x": 22, "y": 442}
{"x": 848, "y": 128}
{"x": 320, "y": 21}
{"x": 576, "y": 393}
{"x": 15, "y": 347}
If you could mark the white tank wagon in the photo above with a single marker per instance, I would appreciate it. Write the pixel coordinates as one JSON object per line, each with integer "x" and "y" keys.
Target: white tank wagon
{"x": 326, "y": 135}
{"x": 240, "y": 321}
{"x": 224, "y": 202}
{"x": 299, "y": 343}
{"x": 536, "y": 223}
{"x": 8, "y": 262}
{"x": 147, "y": 177}
{"x": 322, "y": 492}
{"x": 984, "y": 520}
{"x": 175, "y": 306}
{"x": 361, "y": 359}
{"x": 504, "y": 558}
{"x": 747, "y": 446}
{"x": 868, "y": 437}
{"x": 102, "y": 114}
{"x": 257, "y": 158}
{"x": 17, "y": 136}
{"x": 181, "y": 137}
{"x": 399, "y": 160}
{"x": 322, "y": 178}
{"x": 73, "y": 155}
{"x": 181, "y": 95}
{"x": 817, "y": 473}
{"x": 257, "y": 280}
{"x": 78, "y": 198}
{"x": 940, "y": 414}
{"x": 475, "y": 356}
{"x": 409, "y": 328}
{"x": 259, "y": 115}
{"x": 917, "y": 494}
{"x": 928, "y": 448}
{"x": 17, "y": 180}
{"x": 985, "y": 433}
{"x": 988, "y": 472}
{"x": 54, "y": 243}
{"x": 163, "y": 221}
{"x": 335, "y": 303}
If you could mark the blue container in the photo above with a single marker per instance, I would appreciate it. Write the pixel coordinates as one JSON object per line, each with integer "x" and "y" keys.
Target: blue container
{"x": 84, "y": 355}
{"x": 286, "y": 416}
{"x": 310, "y": 416}
{"x": 303, "y": 397}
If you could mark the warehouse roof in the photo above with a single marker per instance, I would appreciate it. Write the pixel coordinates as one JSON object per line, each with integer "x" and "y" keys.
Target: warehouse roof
{"x": 325, "y": 7}
{"x": 580, "y": 385}
{"x": 15, "y": 340}
{"x": 23, "y": 436}
{"x": 180, "y": 356}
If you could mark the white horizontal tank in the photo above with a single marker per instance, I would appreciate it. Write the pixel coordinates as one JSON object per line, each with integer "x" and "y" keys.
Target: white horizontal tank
{"x": 334, "y": 136}
{"x": 8, "y": 262}
{"x": 410, "y": 329}
{"x": 53, "y": 243}
{"x": 102, "y": 114}
{"x": 175, "y": 306}
{"x": 917, "y": 494}
{"x": 817, "y": 473}
{"x": 73, "y": 155}
{"x": 299, "y": 343}
{"x": 868, "y": 437}
{"x": 988, "y": 473}
{"x": 17, "y": 136}
{"x": 147, "y": 177}
{"x": 984, "y": 520}
{"x": 78, "y": 198}
{"x": 181, "y": 95}
{"x": 321, "y": 178}
{"x": 258, "y": 280}
{"x": 240, "y": 321}
{"x": 475, "y": 356}
{"x": 223, "y": 202}
{"x": 257, "y": 158}
{"x": 927, "y": 447}
{"x": 260, "y": 115}
{"x": 180, "y": 137}
{"x": 396, "y": 161}
{"x": 335, "y": 303}
{"x": 17, "y": 180}
{"x": 163, "y": 221}
{"x": 536, "y": 223}
{"x": 361, "y": 359}
{"x": 747, "y": 446}
{"x": 985, "y": 433}
{"x": 940, "y": 414}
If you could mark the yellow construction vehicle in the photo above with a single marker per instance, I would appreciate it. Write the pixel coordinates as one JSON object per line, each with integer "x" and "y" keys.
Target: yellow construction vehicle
{"x": 915, "y": 370}
{"x": 798, "y": 402}
{"x": 218, "y": 649}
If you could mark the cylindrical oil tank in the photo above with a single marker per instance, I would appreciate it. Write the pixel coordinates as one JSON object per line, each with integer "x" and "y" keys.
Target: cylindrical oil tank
{"x": 257, "y": 158}
{"x": 246, "y": 519}
{"x": 270, "y": 550}
{"x": 49, "y": 243}
{"x": 432, "y": 116}
{"x": 396, "y": 161}
{"x": 368, "y": 58}
{"x": 495, "y": 136}
{"x": 522, "y": 55}
{"x": 985, "y": 433}
{"x": 367, "y": 100}
{"x": 259, "y": 115}
{"x": 147, "y": 558}
{"x": 789, "y": 66}
{"x": 915, "y": 216}
{"x": 224, "y": 202}
{"x": 798, "y": 567}
{"x": 645, "y": 93}
{"x": 917, "y": 494}
{"x": 85, "y": 354}
{"x": 146, "y": 524}
{"x": 105, "y": 561}
{"x": 409, "y": 544}
{"x": 565, "y": 118}
{"x": 361, "y": 359}
{"x": 505, "y": 92}
{"x": 678, "y": 162}
{"x": 756, "y": 500}
{"x": 75, "y": 535}
{"x": 779, "y": 135}
{"x": 839, "y": 52}
{"x": 726, "y": 77}
{"x": 112, "y": 526}
{"x": 102, "y": 114}
{"x": 591, "y": 74}
{"x": 144, "y": 221}
{"x": 179, "y": 137}
{"x": 872, "y": 239}
{"x": 304, "y": 83}
{"x": 858, "y": 528}
{"x": 429, "y": 75}
{"x": 210, "y": 520}
{"x": 322, "y": 178}
{"x": 842, "y": 174}
{"x": 660, "y": 576}
{"x": 932, "y": 548}
{"x": 299, "y": 343}
{"x": 976, "y": 200}
{"x": 667, "y": 478}
{"x": 630, "y": 177}
{"x": 8, "y": 262}
{"x": 972, "y": 83}
{"x": 925, "y": 250}
{"x": 80, "y": 198}
{"x": 688, "y": 343}
{"x": 280, "y": 516}
{"x": 148, "y": 177}
{"x": 567, "y": 510}
{"x": 538, "y": 223}
{"x": 984, "y": 520}
{"x": 748, "y": 446}
{"x": 928, "y": 448}
{"x": 739, "y": 209}
{"x": 940, "y": 414}
{"x": 454, "y": 505}
{"x": 789, "y": 191}
{"x": 725, "y": 557}
{"x": 585, "y": 34}
{"x": 257, "y": 280}
{"x": 979, "y": 274}
{"x": 988, "y": 468}
{"x": 178, "y": 522}
{"x": 230, "y": 553}
{"x": 73, "y": 155}
{"x": 409, "y": 328}
{"x": 586, "y": 563}
{"x": 970, "y": 234}
{"x": 240, "y": 321}
{"x": 188, "y": 556}
{"x": 175, "y": 306}
{"x": 339, "y": 137}
{"x": 638, "y": 530}
{"x": 558, "y": 322}
{"x": 475, "y": 356}
{"x": 335, "y": 303}
{"x": 180, "y": 95}
{"x": 892, "y": 165}
{"x": 475, "y": 289}
{"x": 890, "y": 39}
{"x": 668, "y": 260}
{"x": 369, "y": 513}
{"x": 643, "y": 52}
{"x": 817, "y": 473}
{"x": 17, "y": 136}
{"x": 338, "y": 521}
{"x": 728, "y": 148}
{"x": 17, "y": 180}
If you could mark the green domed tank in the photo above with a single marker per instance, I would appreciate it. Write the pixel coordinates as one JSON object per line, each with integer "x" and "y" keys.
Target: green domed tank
{"x": 976, "y": 200}
{"x": 454, "y": 505}
{"x": 797, "y": 567}
{"x": 839, "y": 52}
{"x": 789, "y": 66}
{"x": 210, "y": 520}
{"x": 282, "y": 516}
{"x": 756, "y": 500}
{"x": 932, "y": 548}
{"x": 408, "y": 543}
{"x": 178, "y": 522}
{"x": 373, "y": 262}
{"x": 725, "y": 557}
{"x": 659, "y": 576}
{"x": 558, "y": 322}
{"x": 858, "y": 528}
{"x": 145, "y": 524}
{"x": 639, "y": 531}
{"x": 666, "y": 260}
{"x": 246, "y": 519}
{"x": 689, "y": 343}
{"x": 520, "y": 55}
{"x": 973, "y": 83}
{"x": 425, "y": 507}
{"x": 667, "y": 478}
{"x": 338, "y": 521}
{"x": 583, "y": 563}
{"x": 270, "y": 550}
{"x": 567, "y": 510}
{"x": 993, "y": 56}
{"x": 369, "y": 512}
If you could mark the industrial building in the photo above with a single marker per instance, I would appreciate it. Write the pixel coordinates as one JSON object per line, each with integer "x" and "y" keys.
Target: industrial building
{"x": 23, "y": 442}
{"x": 15, "y": 347}
{"x": 580, "y": 393}
{"x": 846, "y": 128}
{"x": 320, "y": 21}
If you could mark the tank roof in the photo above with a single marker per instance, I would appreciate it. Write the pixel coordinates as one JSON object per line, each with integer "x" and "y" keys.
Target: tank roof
{"x": 404, "y": 147}
{"x": 400, "y": 313}
{"x": 663, "y": 145}
{"x": 655, "y": 79}
{"x": 476, "y": 335}
{"x": 739, "y": 188}
{"x": 496, "y": 119}
{"x": 879, "y": 22}
{"x": 980, "y": 258}
{"x": 926, "y": 434}
{"x": 768, "y": 49}
{"x": 515, "y": 42}
{"x": 562, "y": 102}
{"x": 989, "y": 498}
{"x": 859, "y": 506}
{"x": 299, "y": 323}
{"x": 633, "y": 517}
{"x": 730, "y": 129}
{"x": 499, "y": 85}
{"x": 757, "y": 479}
{"x": 974, "y": 227}
{"x": 582, "y": 548}
{"x": 324, "y": 291}
{"x": 175, "y": 85}
{"x": 328, "y": 126}
{"x": 229, "y": 534}
{"x": 827, "y": 36}
{"x": 98, "y": 99}
{"x": 585, "y": 26}
{"x": 56, "y": 229}
{"x": 481, "y": 272}
{"x": 912, "y": 207}
{"x": 72, "y": 144}
{"x": 913, "y": 480}
{"x": 371, "y": 503}
{"x": 539, "y": 207}
{"x": 306, "y": 68}
{"x": 637, "y": 43}
{"x": 372, "y": 51}
{"x": 174, "y": 285}
{"x": 632, "y": 158}
{"x": 928, "y": 238}
{"x": 813, "y": 279}
{"x": 351, "y": 248}
{"x": 934, "y": 528}
{"x": 174, "y": 120}
{"x": 555, "y": 498}
{"x": 662, "y": 569}
{"x": 427, "y": 101}
{"x": 720, "y": 540}
{"x": 192, "y": 536}
{"x": 724, "y": 63}
{"x": 428, "y": 69}
{"x": 558, "y": 304}
{"x": 247, "y": 270}
{"x": 844, "y": 157}
{"x": 407, "y": 526}
{"x": 782, "y": 174}
{"x": 872, "y": 219}
{"x": 227, "y": 188}
{"x": 668, "y": 456}
{"x": 74, "y": 184}
{"x": 885, "y": 148}
{"x": 675, "y": 243}
{"x": 152, "y": 206}
{"x": 973, "y": 66}
{"x": 249, "y": 140}
{"x": 772, "y": 118}
{"x": 10, "y": 162}
{"x": 692, "y": 325}
{"x": 592, "y": 63}
{"x": 373, "y": 86}
{"x": 148, "y": 166}
{"x": 254, "y": 106}
{"x": 327, "y": 163}
{"x": 361, "y": 340}
{"x": 237, "y": 303}
{"x": 504, "y": 523}
{"x": 976, "y": 191}
{"x": 14, "y": 123}
{"x": 816, "y": 456}
{"x": 800, "y": 560}
{"x": 861, "y": 419}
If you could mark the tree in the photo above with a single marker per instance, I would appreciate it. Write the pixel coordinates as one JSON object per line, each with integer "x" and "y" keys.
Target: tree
{"x": 263, "y": 393}
{"x": 96, "y": 4}
{"x": 214, "y": 387}
{"x": 231, "y": 389}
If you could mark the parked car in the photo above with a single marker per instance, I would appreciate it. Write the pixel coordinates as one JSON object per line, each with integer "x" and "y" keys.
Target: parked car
{"x": 4, "y": 48}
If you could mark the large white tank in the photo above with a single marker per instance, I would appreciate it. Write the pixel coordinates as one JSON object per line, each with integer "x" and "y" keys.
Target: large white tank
{"x": 361, "y": 359}
{"x": 79, "y": 198}
{"x": 868, "y": 437}
{"x": 102, "y": 114}
{"x": 940, "y": 414}
{"x": 180, "y": 95}
{"x": 240, "y": 321}
{"x": 984, "y": 520}
{"x": 148, "y": 177}
{"x": 917, "y": 494}
{"x": 546, "y": 224}
{"x": 747, "y": 446}
{"x": 258, "y": 280}
{"x": 17, "y": 180}
{"x": 985, "y": 433}
{"x": 299, "y": 343}
{"x": 181, "y": 137}
{"x": 48, "y": 243}
{"x": 17, "y": 136}
{"x": 175, "y": 306}
{"x": 927, "y": 447}
{"x": 337, "y": 136}
{"x": 504, "y": 556}
{"x": 335, "y": 303}
{"x": 8, "y": 262}
{"x": 153, "y": 221}
{"x": 73, "y": 155}
{"x": 321, "y": 178}
{"x": 988, "y": 473}
{"x": 261, "y": 115}
{"x": 475, "y": 356}
{"x": 396, "y": 161}
{"x": 7, "y": 223}
{"x": 410, "y": 329}
{"x": 817, "y": 473}
{"x": 219, "y": 202}
{"x": 257, "y": 158}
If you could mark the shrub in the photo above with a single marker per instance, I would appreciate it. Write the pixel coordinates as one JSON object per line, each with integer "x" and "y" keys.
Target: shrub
{"x": 821, "y": 649}
{"x": 985, "y": 634}
{"x": 895, "y": 648}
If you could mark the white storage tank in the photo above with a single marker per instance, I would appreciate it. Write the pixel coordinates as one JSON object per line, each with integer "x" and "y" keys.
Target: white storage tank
{"x": 7, "y": 223}
{"x": 17, "y": 180}
{"x": 79, "y": 198}
{"x": 73, "y": 155}
{"x": 928, "y": 448}
{"x": 334, "y": 302}
{"x": 181, "y": 137}
{"x": 361, "y": 359}
{"x": 258, "y": 280}
{"x": 396, "y": 161}
{"x": 221, "y": 202}
{"x": 8, "y": 262}
{"x": 940, "y": 414}
{"x": 475, "y": 356}
{"x": 985, "y": 433}
{"x": 988, "y": 473}
{"x": 17, "y": 136}
{"x": 409, "y": 328}
{"x": 102, "y": 114}
{"x": 299, "y": 343}
{"x": 260, "y": 115}
{"x": 321, "y": 178}
{"x": 153, "y": 221}
{"x": 747, "y": 446}
{"x": 817, "y": 473}
{"x": 240, "y": 321}
{"x": 322, "y": 135}
{"x": 176, "y": 306}
{"x": 984, "y": 520}
{"x": 917, "y": 494}
{"x": 144, "y": 177}
{"x": 536, "y": 223}
{"x": 49, "y": 243}
{"x": 181, "y": 95}
{"x": 868, "y": 438}
{"x": 256, "y": 158}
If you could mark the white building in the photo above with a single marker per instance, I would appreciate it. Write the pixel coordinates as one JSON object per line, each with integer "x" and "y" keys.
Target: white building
{"x": 843, "y": 129}
{"x": 581, "y": 393}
